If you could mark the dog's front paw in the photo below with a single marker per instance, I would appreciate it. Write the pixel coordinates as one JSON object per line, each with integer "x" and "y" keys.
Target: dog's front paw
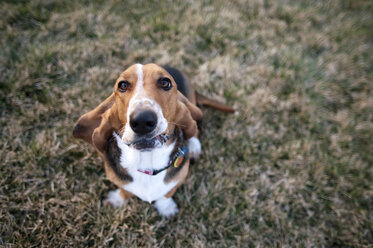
{"x": 194, "y": 147}
{"x": 114, "y": 199}
{"x": 166, "y": 207}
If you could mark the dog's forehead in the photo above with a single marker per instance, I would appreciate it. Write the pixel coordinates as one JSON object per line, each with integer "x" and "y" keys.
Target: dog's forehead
{"x": 129, "y": 74}
{"x": 149, "y": 72}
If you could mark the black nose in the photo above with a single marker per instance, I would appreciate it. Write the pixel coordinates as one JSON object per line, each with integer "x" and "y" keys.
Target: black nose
{"x": 143, "y": 122}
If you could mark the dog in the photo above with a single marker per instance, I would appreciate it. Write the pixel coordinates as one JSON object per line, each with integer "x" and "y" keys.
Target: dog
{"x": 146, "y": 132}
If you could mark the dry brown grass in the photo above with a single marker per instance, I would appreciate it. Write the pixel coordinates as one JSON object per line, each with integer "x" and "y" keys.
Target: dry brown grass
{"x": 294, "y": 168}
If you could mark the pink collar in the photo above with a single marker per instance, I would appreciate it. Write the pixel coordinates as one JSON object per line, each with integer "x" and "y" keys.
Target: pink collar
{"x": 147, "y": 172}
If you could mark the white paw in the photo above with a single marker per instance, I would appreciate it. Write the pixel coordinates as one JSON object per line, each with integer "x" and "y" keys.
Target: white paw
{"x": 166, "y": 207}
{"x": 114, "y": 198}
{"x": 194, "y": 147}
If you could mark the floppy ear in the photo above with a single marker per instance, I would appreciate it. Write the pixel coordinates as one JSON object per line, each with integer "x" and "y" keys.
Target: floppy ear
{"x": 194, "y": 110}
{"x": 102, "y": 133}
{"x": 88, "y": 122}
{"x": 187, "y": 115}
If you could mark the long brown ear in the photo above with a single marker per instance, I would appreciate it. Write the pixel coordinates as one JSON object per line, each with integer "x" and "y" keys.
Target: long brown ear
{"x": 195, "y": 112}
{"x": 187, "y": 115}
{"x": 102, "y": 133}
{"x": 88, "y": 122}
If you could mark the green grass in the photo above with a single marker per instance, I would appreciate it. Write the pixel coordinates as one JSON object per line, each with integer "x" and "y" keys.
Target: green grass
{"x": 293, "y": 168}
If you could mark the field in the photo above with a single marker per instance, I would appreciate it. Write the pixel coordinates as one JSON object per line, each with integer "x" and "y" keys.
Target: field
{"x": 292, "y": 169}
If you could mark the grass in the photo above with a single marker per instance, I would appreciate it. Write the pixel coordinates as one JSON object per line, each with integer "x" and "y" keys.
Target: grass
{"x": 293, "y": 168}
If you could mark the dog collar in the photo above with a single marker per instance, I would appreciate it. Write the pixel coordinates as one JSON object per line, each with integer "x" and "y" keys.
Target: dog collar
{"x": 176, "y": 160}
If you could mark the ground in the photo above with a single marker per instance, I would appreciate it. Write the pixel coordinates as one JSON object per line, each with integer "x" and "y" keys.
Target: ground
{"x": 292, "y": 168}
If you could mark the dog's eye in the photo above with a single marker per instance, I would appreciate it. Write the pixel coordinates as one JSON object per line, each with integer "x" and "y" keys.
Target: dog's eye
{"x": 123, "y": 86}
{"x": 165, "y": 83}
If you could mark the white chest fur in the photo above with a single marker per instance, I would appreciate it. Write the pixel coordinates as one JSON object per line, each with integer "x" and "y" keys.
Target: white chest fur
{"x": 146, "y": 187}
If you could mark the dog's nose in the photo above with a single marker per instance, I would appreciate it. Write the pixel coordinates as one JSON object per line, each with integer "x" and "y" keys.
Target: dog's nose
{"x": 143, "y": 122}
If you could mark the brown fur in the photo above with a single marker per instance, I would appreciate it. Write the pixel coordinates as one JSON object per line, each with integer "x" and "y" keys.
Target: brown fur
{"x": 180, "y": 178}
{"x": 125, "y": 194}
{"x": 112, "y": 176}
{"x": 205, "y": 101}
{"x": 88, "y": 122}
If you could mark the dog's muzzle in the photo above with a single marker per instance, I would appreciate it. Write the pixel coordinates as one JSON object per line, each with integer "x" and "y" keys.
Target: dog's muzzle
{"x": 144, "y": 124}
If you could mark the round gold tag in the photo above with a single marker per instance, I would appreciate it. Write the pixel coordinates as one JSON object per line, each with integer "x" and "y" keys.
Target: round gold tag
{"x": 178, "y": 161}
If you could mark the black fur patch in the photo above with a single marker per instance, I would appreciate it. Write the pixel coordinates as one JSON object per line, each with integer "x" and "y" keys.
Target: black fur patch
{"x": 112, "y": 155}
{"x": 172, "y": 171}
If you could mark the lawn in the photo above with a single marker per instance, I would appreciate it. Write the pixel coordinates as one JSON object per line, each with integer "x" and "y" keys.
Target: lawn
{"x": 292, "y": 168}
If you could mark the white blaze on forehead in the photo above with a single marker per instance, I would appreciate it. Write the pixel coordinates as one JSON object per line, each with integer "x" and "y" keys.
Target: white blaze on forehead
{"x": 139, "y": 95}
{"x": 140, "y": 76}
{"x": 139, "y": 89}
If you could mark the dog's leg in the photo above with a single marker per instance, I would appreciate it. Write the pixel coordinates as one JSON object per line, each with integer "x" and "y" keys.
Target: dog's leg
{"x": 194, "y": 147}
{"x": 117, "y": 198}
{"x": 166, "y": 207}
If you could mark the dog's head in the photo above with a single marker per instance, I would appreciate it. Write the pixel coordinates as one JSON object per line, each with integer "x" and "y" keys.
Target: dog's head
{"x": 144, "y": 109}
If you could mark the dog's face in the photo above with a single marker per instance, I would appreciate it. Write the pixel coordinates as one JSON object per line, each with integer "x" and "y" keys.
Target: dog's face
{"x": 143, "y": 109}
{"x": 146, "y": 97}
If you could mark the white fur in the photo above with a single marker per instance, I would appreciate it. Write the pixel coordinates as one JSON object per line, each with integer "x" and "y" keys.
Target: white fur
{"x": 194, "y": 147}
{"x": 115, "y": 199}
{"x": 166, "y": 207}
{"x": 140, "y": 75}
{"x": 140, "y": 99}
{"x": 146, "y": 187}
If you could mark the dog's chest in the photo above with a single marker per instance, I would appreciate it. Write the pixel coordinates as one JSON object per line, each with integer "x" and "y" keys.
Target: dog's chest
{"x": 147, "y": 187}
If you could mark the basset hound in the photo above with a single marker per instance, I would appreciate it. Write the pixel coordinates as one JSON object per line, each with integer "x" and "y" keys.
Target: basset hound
{"x": 146, "y": 132}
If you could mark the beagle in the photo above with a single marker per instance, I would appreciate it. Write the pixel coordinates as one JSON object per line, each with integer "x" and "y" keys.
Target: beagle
{"x": 146, "y": 132}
